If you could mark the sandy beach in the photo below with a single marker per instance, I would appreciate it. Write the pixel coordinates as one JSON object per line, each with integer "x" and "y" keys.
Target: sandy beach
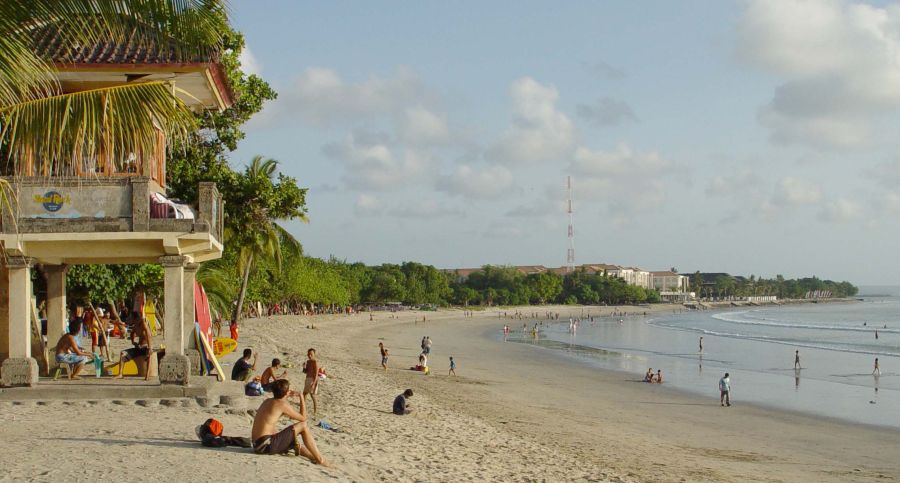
{"x": 515, "y": 413}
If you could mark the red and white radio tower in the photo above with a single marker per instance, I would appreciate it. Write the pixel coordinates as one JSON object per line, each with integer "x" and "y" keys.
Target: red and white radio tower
{"x": 570, "y": 253}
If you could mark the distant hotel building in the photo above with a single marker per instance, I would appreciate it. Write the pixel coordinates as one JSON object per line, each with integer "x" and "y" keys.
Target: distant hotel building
{"x": 666, "y": 281}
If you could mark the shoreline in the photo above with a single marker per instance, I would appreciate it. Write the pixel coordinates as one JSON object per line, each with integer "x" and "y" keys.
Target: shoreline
{"x": 512, "y": 415}
{"x": 802, "y": 425}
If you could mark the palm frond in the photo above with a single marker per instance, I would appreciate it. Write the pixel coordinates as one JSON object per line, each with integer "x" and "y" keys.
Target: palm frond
{"x": 220, "y": 284}
{"x": 63, "y": 131}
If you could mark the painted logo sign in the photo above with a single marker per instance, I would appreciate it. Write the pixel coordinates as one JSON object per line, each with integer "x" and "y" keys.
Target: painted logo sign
{"x": 52, "y": 201}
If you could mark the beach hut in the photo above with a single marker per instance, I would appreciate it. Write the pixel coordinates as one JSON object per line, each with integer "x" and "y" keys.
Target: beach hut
{"x": 110, "y": 207}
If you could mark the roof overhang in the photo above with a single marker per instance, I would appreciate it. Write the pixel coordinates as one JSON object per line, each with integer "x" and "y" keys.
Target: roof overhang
{"x": 204, "y": 82}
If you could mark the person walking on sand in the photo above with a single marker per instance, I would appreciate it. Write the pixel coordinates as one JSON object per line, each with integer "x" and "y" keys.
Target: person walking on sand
{"x": 877, "y": 370}
{"x": 452, "y": 367}
{"x": 384, "y": 355}
{"x": 311, "y": 385}
{"x": 725, "y": 390}
{"x": 265, "y": 438}
{"x": 797, "y": 360}
{"x": 427, "y": 345}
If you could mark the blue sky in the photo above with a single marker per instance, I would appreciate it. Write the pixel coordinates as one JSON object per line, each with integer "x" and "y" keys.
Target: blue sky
{"x": 755, "y": 136}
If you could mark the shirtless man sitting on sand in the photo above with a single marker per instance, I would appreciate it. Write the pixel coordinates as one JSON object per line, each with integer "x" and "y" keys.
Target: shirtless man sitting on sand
{"x": 68, "y": 352}
{"x": 268, "y": 376}
{"x": 266, "y": 440}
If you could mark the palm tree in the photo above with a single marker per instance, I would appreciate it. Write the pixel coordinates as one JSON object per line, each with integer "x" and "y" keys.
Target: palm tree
{"x": 40, "y": 122}
{"x": 258, "y": 236}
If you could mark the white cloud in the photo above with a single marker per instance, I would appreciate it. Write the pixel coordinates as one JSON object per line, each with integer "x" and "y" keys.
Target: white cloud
{"x": 794, "y": 192}
{"x": 321, "y": 97}
{"x": 367, "y": 205}
{"x": 539, "y": 132}
{"x": 421, "y": 127}
{"x": 733, "y": 183}
{"x": 840, "y": 211}
{"x": 625, "y": 180}
{"x": 373, "y": 164}
{"x": 426, "y": 210}
{"x": 887, "y": 173}
{"x": 623, "y": 161}
{"x": 607, "y": 112}
{"x": 839, "y": 62}
{"x": 249, "y": 63}
{"x": 488, "y": 182}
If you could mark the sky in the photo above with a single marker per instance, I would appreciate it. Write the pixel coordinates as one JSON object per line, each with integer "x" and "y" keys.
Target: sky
{"x": 751, "y": 137}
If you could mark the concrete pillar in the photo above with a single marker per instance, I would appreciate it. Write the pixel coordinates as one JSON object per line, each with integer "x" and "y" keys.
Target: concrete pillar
{"x": 190, "y": 347}
{"x": 190, "y": 274}
{"x": 57, "y": 315}
{"x": 19, "y": 369}
{"x": 174, "y": 296}
{"x": 4, "y": 309}
{"x": 175, "y": 367}
{"x": 20, "y": 295}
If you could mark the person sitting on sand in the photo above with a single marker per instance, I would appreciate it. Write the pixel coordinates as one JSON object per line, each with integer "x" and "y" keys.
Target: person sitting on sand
{"x": 423, "y": 360}
{"x": 68, "y": 352}
{"x": 265, "y": 438}
{"x": 310, "y": 386}
{"x": 268, "y": 376}
{"x": 384, "y": 355}
{"x": 648, "y": 377}
{"x": 243, "y": 368}
{"x": 142, "y": 348}
{"x": 659, "y": 376}
{"x": 401, "y": 407}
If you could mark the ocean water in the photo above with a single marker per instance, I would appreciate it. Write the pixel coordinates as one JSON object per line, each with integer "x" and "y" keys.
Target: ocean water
{"x": 756, "y": 346}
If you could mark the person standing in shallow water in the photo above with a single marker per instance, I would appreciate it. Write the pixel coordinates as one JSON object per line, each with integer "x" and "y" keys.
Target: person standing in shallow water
{"x": 877, "y": 370}
{"x": 797, "y": 360}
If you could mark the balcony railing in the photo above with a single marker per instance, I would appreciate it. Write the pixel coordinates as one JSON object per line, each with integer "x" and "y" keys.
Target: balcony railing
{"x": 102, "y": 204}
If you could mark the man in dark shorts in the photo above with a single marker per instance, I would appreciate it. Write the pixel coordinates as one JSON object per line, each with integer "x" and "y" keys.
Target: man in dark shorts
{"x": 401, "y": 407}
{"x": 142, "y": 348}
{"x": 266, "y": 440}
{"x": 243, "y": 368}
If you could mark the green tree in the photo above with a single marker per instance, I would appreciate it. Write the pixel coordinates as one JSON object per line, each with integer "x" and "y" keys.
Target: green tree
{"x": 263, "y": 200}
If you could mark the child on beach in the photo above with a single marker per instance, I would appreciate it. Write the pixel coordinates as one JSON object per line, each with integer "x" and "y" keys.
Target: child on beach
{"x": 659, "y": 376}
{"x": 384, "y": 355}
{"x": 452, "y": 367}
{"x": 648, "y": 377}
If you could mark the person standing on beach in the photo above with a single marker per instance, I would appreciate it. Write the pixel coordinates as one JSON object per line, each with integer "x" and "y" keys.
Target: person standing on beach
{"x": 452, "y": 367}
{"x": 265, "y": 438}
{"x": 701, "y": 344}
{"x": 384, "y": 355}
{"x": 311, "y": 385}
{"x": 427, "y": 345}
{"x": 877, "y": 371}
{"x": 725, "y": 390}
{"x": 797, "y": 360}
